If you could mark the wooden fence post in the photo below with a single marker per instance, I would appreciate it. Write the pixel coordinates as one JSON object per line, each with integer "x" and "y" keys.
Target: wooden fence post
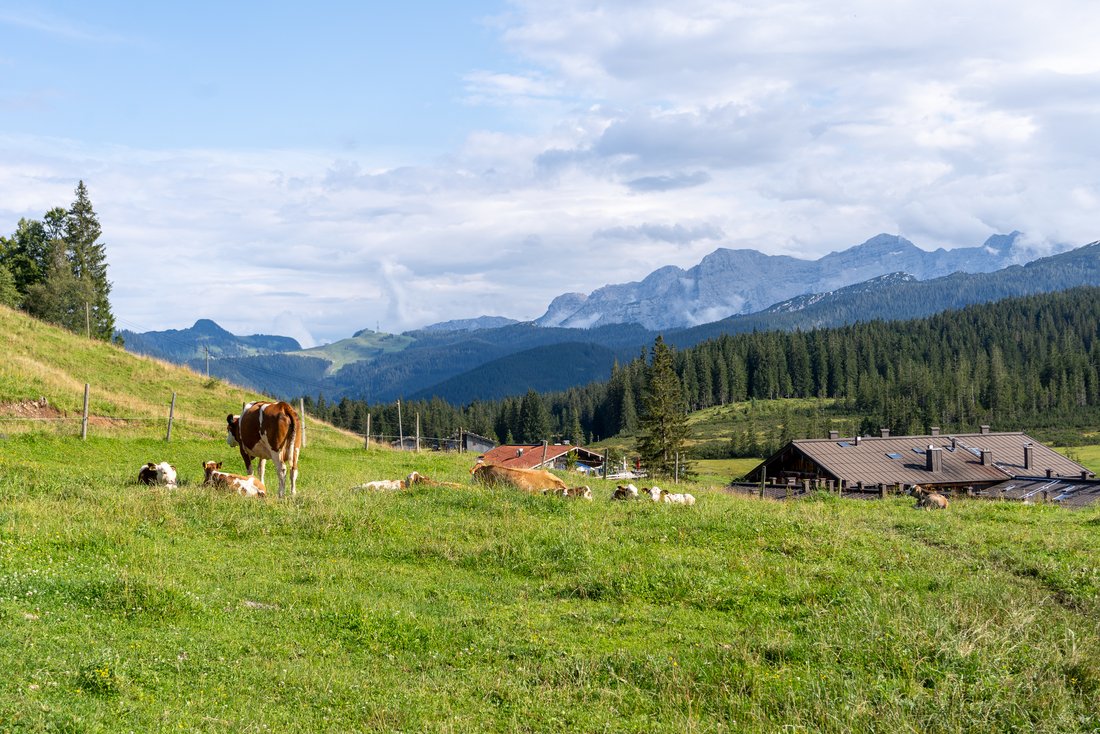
{"x": 366, "y": 440}
{"x": 418, "y": 432}
{"x": 171, "y": 414}
{"x": 544, "y": 447}
{"x": 676, "y": 469}
{"x": 400, "y": 429}
{"x": 84, "y": 420}
{"x": 302, "y": 413}
{"x": 606, "y": 456}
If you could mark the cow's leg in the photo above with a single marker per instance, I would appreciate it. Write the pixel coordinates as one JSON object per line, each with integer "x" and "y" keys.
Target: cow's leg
{"x": 280, "y": 467}
{"x": 294, "y": 471}
{"x": 247, "y": 462}
{"x": 263, "y": 466}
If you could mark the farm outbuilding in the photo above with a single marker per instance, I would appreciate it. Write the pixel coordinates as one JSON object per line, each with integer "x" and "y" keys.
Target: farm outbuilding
{"x": 540, "y": 456}
{"x": 967, "y": 462}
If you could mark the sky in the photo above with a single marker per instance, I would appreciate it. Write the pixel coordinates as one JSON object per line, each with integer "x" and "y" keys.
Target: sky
{"x": 314, "y": 169}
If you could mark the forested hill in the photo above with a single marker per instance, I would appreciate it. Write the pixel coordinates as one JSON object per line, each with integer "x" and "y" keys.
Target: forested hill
{"x": 1021, "y": 363}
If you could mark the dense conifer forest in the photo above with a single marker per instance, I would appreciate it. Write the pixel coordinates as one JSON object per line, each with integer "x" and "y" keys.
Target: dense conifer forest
{"x": 1030, "y": 363}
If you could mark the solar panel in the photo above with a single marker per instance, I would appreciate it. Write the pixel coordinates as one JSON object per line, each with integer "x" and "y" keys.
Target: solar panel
{"x": 843, "y": 444}
{"x": 894, "y": 456}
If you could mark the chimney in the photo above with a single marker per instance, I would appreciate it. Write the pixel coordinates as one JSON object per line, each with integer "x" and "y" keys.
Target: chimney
{"x": 884, "y": 432}
{"x": 1029, "y": 459}
{"x": 987, "y": 457}
{"x": 953, "y": 445}
{"x": 985, "y": 430}
{"x": 935, "y": 430}
{"x": 834, "y": 435}
{"x": 933, "y": 458}
{"x": 519, "y": 452}
{"x": 1050, "y": 473}
{"x": 1084, "y": 475}
{"x": 857, "y": 440}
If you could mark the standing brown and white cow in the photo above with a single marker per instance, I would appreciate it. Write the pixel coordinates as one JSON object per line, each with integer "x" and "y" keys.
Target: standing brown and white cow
{"x": 268, "y": 431}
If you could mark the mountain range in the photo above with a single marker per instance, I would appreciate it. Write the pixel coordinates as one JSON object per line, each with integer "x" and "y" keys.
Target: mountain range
{"x": 729, "y": 282}
{"x": 461, "y": 361}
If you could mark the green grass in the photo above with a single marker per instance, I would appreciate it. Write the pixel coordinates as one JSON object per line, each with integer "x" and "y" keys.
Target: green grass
{"x": 128, "y": 608}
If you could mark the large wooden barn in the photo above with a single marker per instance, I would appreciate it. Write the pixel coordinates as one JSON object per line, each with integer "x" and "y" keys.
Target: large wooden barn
{"x": 966, "y": 462}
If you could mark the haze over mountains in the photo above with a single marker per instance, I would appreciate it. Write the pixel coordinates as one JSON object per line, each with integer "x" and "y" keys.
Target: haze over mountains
{"x": 492, "y": 357}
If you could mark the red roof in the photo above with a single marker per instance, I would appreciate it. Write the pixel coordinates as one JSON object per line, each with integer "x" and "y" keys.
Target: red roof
{"x": 523, "y": 456}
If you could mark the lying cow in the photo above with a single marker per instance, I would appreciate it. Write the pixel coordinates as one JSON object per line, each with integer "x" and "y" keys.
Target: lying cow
{"x": 163, "y": 474}
{"x": 625, "y": 492}
{"x": 529, "y": 480}
{"x": 393, "y": 485}
{"x": 268, "y": 431}
{"x": 248, "y": 486}
{"x": 927, "y": 499}
{"x": 677, "y": 498}
{"x": 580, "y": 493}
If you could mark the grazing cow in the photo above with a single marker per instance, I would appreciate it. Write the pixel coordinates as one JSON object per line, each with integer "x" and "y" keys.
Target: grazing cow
{"x": 248, "y": 486}
{"x": 268, "y": 431}
{"x": 529, "y": 480}
{"x": 162, "y": 473}
{"x": 927, "y": 499}
{"x": 580, "y": 493}
{"x": 677, "y": 498}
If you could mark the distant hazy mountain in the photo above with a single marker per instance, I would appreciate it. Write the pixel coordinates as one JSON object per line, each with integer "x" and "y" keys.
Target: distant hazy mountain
{"x": 728, "y": 282}
{"x": 481, "y": 322}
{"x": 180, "y": 345}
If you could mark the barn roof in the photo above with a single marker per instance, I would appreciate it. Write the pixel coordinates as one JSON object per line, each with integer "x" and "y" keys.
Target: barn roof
{"x": 529, "y": 456}
{"x": 902, "y": 459}
{"x": 1065, "y": 492}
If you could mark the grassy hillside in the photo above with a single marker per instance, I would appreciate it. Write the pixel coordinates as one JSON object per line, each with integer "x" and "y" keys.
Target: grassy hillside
{"x": 129, "y": 394}
{"x": 364, "y": 346}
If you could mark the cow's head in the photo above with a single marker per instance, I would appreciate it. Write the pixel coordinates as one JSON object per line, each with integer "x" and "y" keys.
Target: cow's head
{"x": 208, "y": 468}
{"x": 233, "y": 436}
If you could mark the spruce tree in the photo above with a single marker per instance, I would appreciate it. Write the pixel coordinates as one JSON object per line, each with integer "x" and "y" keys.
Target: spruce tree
{"x": 60, "y": 297}
{"x": 89, "y": 261}
{"x": 664, "y": 429}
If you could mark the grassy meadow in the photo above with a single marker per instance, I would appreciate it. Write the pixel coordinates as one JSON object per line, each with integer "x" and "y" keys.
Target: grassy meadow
{"x": 464, "y": 609}
{"x": 128, "y": 608}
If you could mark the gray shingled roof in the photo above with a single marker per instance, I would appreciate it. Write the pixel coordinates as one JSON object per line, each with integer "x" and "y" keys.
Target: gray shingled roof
{"x": 901, "y": 459}
{"x": 1065, "y": 492}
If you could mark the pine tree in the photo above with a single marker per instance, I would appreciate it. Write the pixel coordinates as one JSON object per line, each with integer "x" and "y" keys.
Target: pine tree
{"x": 664, "y": 429}
{"x": 534, "y": 419}
{"x": 89, "y": 261}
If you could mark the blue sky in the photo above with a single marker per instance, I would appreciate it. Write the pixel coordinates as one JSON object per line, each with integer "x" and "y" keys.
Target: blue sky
{"x": 315, "y": 169}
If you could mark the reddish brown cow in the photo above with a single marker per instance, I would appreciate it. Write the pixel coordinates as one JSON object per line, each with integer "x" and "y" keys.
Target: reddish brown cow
{"x": 529, "y": 480}
{"x": 268, "y": 431}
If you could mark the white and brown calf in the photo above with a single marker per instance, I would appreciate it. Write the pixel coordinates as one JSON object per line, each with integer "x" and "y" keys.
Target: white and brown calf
{"x": 625, "y": 492}
{"x": 248, "y": 486}
{"x": 577, "y": 493}
{"x": 163, "y": 474}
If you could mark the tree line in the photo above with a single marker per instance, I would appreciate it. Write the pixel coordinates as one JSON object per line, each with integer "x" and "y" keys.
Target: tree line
{"x": 55, "y": 269}
{"x": 1020, "y": 363}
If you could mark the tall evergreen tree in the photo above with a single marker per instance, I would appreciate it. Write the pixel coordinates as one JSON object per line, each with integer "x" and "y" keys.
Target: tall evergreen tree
{"x": 534, "y": 419}
{"x": 664, "y": 428}
{"x": 89, "y": 261}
